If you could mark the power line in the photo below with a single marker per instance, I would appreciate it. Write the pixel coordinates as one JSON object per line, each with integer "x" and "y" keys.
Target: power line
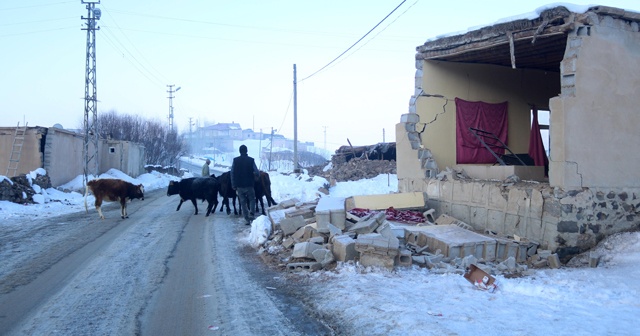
{"x": 353, "y": 45}
{"x": 376, "y": 35}
{"x": 134, "y": 47}
{"x": 41, "y": 5}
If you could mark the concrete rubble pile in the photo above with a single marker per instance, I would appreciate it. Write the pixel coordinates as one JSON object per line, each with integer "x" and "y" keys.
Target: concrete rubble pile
{"x": 317, "y": 235}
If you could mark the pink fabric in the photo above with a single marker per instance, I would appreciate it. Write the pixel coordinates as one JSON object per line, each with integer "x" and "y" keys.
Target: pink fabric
{"x": 536, "y": 146}
{"x": 484, "y": 116}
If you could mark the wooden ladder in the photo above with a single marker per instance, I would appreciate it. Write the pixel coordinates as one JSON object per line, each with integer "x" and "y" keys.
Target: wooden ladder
{"x": 16, "y": 150}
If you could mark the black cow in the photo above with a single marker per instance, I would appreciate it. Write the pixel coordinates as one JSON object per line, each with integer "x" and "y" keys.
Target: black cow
{"x": 227, "y": 192}
{"x": 262, "y": 188}
{"x": 194, "y": 188}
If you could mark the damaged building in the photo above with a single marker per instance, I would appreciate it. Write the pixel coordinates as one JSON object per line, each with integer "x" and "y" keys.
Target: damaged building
{"x": 471, "y": 140}
{"x": 60, "y": 152}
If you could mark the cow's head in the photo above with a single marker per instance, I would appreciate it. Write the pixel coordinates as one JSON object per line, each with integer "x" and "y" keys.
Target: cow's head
{"x": 174, "y": 188}
{"x": 138, "y": 192}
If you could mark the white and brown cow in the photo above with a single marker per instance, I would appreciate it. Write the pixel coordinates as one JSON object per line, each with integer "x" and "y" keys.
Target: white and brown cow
{"x": 113, "y": 190}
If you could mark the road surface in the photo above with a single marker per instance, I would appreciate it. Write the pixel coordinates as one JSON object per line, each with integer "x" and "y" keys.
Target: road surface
{"x": 159, "y": 272}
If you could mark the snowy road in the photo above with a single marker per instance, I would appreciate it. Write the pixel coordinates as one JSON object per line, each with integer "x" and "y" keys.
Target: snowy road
{"x": 160, "y": 272}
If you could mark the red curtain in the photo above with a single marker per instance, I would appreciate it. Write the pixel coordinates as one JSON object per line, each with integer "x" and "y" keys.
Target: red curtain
{"x": 484, "y": 116}
{"x": 536, "y": 146}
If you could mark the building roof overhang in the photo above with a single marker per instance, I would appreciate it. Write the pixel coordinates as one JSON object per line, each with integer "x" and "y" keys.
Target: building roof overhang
{"x": 538, "y": 43}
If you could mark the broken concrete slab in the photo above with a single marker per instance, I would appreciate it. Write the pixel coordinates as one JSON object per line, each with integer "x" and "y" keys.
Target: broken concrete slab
{"x": 291, "y": 225}
{"x": 377, "y": 260}
{"x": 323, "y": 256}
{"x": 413, "y": 200}
{"x": 365, "y": 226}
{"x": 456, "y": 242}
{"x": 378, "y": 244}
{"x": 304, "y": 250}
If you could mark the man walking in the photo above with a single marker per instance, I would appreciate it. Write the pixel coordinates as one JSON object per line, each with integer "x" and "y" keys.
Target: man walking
{"x": 205, "y": 168}
{"x": 244, "y": 173}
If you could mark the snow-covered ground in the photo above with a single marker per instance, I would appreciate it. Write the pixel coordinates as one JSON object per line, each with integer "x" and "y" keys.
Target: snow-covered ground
{"x": 415, "y": 301}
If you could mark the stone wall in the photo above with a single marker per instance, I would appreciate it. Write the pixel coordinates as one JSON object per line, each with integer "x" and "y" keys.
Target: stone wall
{"x": 566, "y": 222}
{"x": 20, "y": 190}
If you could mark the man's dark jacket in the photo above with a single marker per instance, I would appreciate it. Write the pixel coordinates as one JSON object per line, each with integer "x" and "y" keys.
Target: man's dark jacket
{"x": 244, "y": 171}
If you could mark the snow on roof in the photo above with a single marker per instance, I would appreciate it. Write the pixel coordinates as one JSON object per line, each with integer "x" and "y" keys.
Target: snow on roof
{"x": 580, "y": 9}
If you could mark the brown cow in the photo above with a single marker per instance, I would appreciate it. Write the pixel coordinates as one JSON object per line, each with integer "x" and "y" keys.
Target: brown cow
{"x": 113, "y": 190}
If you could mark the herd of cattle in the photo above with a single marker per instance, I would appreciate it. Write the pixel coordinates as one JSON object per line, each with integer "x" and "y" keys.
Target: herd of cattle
{"x": 190, "y": 189}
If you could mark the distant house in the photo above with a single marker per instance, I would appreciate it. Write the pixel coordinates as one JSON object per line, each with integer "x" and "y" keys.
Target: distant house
{"x": 217, "y": 137}
{"x": 581, "y": 67}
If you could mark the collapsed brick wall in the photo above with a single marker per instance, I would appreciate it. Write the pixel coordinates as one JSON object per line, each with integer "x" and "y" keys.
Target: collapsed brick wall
{"x": 354, "y": 169}
{"x": 21, "y": 191}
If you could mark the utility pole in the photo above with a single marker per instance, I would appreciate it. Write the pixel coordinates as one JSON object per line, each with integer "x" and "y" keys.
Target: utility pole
{"x": 325, "y": 137}
{"x": 91, "y": 135}
{"x": 190, "y": 134}
{"x": 171, "y": 91}
{"x": 296, "y": 168}
{"x": 271, "y": 148}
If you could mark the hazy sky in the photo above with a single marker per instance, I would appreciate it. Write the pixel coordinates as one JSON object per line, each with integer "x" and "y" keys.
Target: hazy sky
{"x": 233, "y": 61}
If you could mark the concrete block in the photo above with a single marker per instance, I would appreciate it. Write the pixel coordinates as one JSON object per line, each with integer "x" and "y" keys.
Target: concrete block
{"x": 299, "y": 235}
{"x": 287, "y": 243}
{"x": 412, "y": 235}
{"x": 385, "y": 230}
{"x": 291, "y": 225}
{"x": 323, "y": 219}
{"x": 303, "y": 267}
{"x": 344, "y": 248}
{"x": 339, "y": 218}
{"x": 554, "y": 261}
{"x": 419, "y": 260}
{"x": 304, "y": 250}
{"x": 333, "y": 231}
{"x": 288, "y": 203}
{"x": 403, "y": 259}
{"x": 594, "y": 259}
{"x": 506, "y": 248}
{"x": 316, "y": 240}
{"x": 327, "y": 208}
{"x": 365, "y": 226}
{"x": 377, "y": 260}
{"x": 383, "y": 202}
{"x": 306, "y": 211}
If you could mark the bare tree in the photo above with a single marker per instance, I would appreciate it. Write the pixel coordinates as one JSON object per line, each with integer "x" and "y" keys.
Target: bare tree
{"x": 162, "y": 146}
